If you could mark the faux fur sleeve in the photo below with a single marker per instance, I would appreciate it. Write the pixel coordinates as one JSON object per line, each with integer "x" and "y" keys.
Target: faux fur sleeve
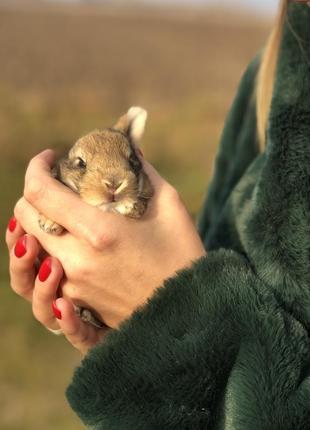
{"x": 212, "y": 349}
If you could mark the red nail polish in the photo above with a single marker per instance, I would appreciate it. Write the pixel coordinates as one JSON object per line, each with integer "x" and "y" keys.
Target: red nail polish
{"x": 20, "y": 247}
{"x": 45, "y": 269}
{"x": 56, "y": 311}
{"x": 12, "y": 224}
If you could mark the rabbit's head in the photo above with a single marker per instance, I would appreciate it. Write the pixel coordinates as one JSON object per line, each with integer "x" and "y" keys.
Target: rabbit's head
{"x": 103, "y": 166}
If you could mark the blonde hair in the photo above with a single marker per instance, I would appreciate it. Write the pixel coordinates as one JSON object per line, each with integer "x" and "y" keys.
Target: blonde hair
{"x": 266, "y": 74}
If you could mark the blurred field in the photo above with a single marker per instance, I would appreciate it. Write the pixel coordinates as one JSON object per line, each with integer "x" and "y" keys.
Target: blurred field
{"x": 65, "y": 71}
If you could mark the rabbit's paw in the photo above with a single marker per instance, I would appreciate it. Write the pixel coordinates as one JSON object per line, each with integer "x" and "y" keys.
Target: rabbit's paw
{"x": 88, "y": 317}
{"x": 131, "y": 209}
{"x": 49, "y": 226}
{"x": 138, "y": 209}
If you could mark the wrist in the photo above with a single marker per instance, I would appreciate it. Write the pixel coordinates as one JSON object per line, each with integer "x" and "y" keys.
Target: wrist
{"x": 140, "y": 297}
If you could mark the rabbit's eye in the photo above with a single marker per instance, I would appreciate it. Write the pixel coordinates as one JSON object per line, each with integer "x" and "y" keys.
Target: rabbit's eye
{"x": 80, "y": 163}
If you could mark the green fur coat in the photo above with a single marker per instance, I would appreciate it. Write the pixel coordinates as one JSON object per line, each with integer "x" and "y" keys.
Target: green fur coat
{"x": 225, "y": 345}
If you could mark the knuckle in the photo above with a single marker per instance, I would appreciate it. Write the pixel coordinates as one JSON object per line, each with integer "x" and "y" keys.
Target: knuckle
{"x": 15, "y": 269}
{"x": 35, "y": 313}
{"x": 15, "y": 288}
{"x": 39, "y": 315}
{"x": 11, "y": 267}
{"x": 20, "y": 290}
{"x": 69, "y": 291}
{"x": 77, "y": 270}
{"x": 19, "y": 207}
{"x": 8, "y": 239}
{"x": 43, "y": 297}
{"x": 98, "y": 239}
{"x": 34, "y": 189}
{"x": 32, "y": 164}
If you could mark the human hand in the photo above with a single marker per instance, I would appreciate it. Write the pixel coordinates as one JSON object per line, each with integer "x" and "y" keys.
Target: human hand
{"x": 120, "y": 260}
{"x": 36, "y": 278}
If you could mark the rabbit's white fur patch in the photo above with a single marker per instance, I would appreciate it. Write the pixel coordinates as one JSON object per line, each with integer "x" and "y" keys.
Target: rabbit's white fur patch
{"x": 137, "y": 117}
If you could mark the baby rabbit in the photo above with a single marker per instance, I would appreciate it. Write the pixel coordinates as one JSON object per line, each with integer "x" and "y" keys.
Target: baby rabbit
{"x": 103, "y": 168}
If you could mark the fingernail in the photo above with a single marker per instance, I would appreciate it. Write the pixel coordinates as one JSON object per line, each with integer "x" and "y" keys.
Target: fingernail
{"x": 12, "y": 224}
{"x": 20, "y": 247}
{"x": 45, "y": 269}
{"x": 56, "y": 311}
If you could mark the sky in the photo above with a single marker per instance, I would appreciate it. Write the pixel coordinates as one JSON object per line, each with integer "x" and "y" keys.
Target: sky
{"x": 261, "y": 6}
{"x": 265, "y": 6}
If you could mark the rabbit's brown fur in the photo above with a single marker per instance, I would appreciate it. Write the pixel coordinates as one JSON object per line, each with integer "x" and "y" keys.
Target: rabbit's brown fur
{"x": 111, "y": 162}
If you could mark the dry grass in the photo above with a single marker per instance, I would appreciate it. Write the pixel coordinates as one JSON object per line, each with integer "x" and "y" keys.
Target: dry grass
{"x": 64, "y": 72}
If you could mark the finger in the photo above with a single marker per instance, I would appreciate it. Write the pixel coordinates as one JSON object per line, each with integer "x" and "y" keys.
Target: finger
{"x": 101, "y": 232}
{"x": 45, "y": 292}
{"x": 13, "y": 232}
{"x": 150, "y": 170}
{"x": 22, "y": 265}
{"x": 57, "y": 246}
{"x": 82, "y": 336}
{"x": 154, "y": 176}
{"x": 57, "y": 201}
{"x": 162, "y": 189}
{"x": 28, "y": 218}
{"x": 46, "y": 158}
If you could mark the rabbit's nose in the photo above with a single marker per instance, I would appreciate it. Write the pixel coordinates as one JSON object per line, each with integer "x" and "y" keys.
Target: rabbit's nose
{"x": 113, "y": 185}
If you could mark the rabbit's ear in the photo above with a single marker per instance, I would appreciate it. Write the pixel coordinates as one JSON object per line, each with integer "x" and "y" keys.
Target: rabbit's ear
{"x": 133, "y": 123}
{"x": 137, "y": 119}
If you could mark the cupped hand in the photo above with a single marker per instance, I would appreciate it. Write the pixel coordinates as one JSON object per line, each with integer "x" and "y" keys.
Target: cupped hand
{"x": 112, "y": 263}
{"x": 36, "y": 277}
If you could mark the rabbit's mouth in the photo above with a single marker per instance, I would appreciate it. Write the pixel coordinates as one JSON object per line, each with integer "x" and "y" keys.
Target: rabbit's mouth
{"x": 112, "y": 198}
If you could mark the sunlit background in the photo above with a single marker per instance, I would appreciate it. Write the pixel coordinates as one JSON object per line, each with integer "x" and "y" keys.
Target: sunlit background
{"x": 68, "y": 67}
